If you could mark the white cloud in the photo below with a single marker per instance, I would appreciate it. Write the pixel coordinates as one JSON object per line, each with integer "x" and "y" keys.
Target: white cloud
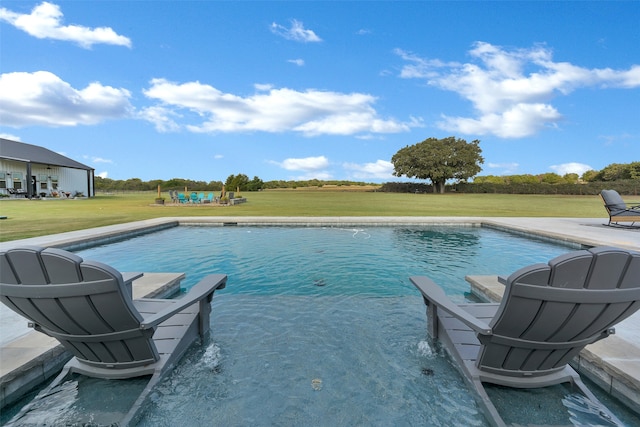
{"x": 218, "y": 156}
{"x": 519, "y": 121}
{"x": 161, "y": 117}
{"x": 11, "y": 137}
{"x": 510, "y": 90}
{"x": 623, "y": 138}
{"x": 44, "y": 22}
{"x": 311, "y": 112}
{"x": 305, "y": 164}
{"x": 311, "y": 167}
{"x": 299, "y": 62}
{"x": 42, "y": 98}
{"x": 507, "y": 168}
{"x": 94, "y": 159}
{"x": 573, "y": 167}
{"x": 296, "y": 32}
{"x": 381, "y": 169}
{"x": 103, "y": 175}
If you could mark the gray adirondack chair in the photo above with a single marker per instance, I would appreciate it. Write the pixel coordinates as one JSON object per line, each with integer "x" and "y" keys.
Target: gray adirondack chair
{"x": 548, "y": 314}
{"x": 618, "y": 210}
{"x": 88, "y": 307}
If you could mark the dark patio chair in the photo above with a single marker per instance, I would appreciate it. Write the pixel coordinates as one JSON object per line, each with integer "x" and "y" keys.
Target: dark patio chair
{"x": 618, "y": 210}
{"x": 88, "y": 307}
{"x": 548, "y": 314}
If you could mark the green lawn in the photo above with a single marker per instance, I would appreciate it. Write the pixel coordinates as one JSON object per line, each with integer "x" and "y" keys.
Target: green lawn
{"x": 30, "y": 218}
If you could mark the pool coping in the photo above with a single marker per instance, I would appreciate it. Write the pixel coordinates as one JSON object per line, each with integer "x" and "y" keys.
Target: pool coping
{"x": 580, "y": 231}
{"x": 576, "y": 232}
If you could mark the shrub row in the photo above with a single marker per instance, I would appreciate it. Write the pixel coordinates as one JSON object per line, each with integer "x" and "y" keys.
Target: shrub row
{"x": 624, "y": 187}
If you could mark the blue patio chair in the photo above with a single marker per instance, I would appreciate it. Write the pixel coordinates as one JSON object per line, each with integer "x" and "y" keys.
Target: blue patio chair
{"x": 195, "y": 198}
{"x": 182, "y": 198}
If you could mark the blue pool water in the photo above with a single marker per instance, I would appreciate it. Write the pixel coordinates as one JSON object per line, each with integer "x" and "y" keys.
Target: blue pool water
{"x": 321, "y": 326}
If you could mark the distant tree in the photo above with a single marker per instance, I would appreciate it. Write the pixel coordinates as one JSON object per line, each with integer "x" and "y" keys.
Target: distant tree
{"x": 255, "y": 184}
{"x": 614, "y": 172}
{"x": 634, "y": 170}
{"x": 551, "y": 178}
{"x": 523, "y": 179}
{"x": 439, "y": 160}
{"x": 571, "y": 178}
{"x": 589, "y": 176}
{"x": 234, "y": 182}
{"x": 489, "y": 179}
{"x": 134, "y": 184}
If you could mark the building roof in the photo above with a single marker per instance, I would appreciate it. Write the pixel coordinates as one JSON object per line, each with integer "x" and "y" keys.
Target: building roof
{"x": 22, "y": 152}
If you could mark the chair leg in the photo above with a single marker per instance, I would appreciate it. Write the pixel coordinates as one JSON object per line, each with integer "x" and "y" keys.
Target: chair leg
{"x": 50, "y": 389}
{"x": 604, "y": 411}
{"x": 134, "y": 414}
{"x": 491, "y": 412}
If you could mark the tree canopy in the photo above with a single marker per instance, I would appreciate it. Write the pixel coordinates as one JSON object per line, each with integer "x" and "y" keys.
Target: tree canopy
{"x": 439, "y": 160}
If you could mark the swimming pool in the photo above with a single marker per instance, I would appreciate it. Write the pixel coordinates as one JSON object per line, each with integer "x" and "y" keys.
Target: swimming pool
{"x": 320, "y": 326}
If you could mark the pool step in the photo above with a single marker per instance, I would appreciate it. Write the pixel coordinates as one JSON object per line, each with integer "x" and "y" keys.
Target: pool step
{"x": 32, "y": 358}
{"x": 612, "y": 363}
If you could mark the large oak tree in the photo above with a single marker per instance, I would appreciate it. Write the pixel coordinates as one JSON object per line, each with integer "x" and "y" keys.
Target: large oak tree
{"x": 439, "y": 160}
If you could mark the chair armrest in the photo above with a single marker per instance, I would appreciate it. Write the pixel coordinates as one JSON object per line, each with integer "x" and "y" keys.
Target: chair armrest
{"x": 204, "y": 289}
{"x": 130, "y": 276}
{"x": 503, "y": 280}
{"x": 434, "y": 294}
{"x": 128, "y": 279}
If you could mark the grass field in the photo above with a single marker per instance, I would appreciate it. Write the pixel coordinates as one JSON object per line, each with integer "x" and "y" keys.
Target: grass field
{"x": 30, "y": 218}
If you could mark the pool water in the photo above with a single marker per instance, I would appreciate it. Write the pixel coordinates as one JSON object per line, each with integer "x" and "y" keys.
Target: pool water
{"x": 321, "y": 326}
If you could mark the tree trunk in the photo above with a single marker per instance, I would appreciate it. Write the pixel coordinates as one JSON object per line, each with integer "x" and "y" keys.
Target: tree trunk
{"x": 438, "y": 186}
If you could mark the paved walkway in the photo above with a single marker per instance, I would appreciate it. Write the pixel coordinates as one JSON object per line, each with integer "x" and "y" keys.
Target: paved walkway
{"x": 617, "y": 356}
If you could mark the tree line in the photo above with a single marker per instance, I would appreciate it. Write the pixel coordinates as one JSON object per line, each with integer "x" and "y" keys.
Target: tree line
{"x": 446, "y": 163}
{"x": 232, "y": 183}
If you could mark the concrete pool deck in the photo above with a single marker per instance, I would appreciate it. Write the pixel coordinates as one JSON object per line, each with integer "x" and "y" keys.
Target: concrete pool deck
{"x": 618, "y": 356}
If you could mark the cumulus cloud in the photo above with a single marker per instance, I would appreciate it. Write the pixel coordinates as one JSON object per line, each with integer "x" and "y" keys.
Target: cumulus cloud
{"x": 161, "y": 117}
{"x": 573, "y": 167}
{"x": 381, "y": 169}
{"x": 510, "y": 90}
{"x": 309, "y": 167}
{"x": 305, "y": 164}
{"x": 299, "y": 62}
{"x": 310, "y": 112}
{"x": 103, "y": 175}
{"x": 296, "y": 32}
{"x": 45, "y": 22}
{"x": 42, "y": 98}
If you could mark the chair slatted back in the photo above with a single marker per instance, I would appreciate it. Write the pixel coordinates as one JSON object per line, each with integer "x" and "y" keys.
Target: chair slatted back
{"x": 83, "y": 304}
{"x": 550, "y": 312}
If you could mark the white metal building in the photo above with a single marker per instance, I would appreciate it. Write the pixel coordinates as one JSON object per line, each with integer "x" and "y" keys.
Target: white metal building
{"x": 31, "y": 171}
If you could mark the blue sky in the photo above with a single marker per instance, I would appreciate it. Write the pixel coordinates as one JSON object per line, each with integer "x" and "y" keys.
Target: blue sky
{"x": 328, "y": 90}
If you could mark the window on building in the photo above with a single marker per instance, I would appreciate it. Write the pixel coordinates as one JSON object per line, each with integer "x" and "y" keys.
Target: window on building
{"x": 43, "y": 182}
{"x": 3, "y": 180}
{"x": 17, "y": 180}
{"x": 54, "y": 182}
